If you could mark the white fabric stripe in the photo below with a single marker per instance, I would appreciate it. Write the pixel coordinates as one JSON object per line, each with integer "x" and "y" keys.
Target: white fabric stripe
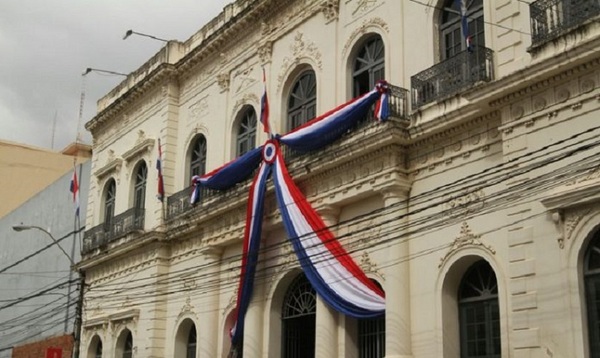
{"x": 255, "y": 200}
{"x": 333, "y": 272}
{"x": 325, "y": 121}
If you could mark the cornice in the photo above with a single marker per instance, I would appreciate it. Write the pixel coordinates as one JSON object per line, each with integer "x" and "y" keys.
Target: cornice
{"x": 120, "y": 248}
{"x": 163, "y": 72}
{"x": 138, "y": 149}
{"x": 113, "y": 165}
{"x": 538, "y": 76}
{"x": 443, "y": 127}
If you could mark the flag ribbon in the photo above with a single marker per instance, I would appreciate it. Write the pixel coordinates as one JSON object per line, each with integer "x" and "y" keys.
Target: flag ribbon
{"x": 328, "y": 267}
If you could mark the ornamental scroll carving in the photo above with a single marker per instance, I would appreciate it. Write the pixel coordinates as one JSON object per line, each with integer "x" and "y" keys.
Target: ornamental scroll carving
{"x": 566, "y": 222}
{"x": 301, "y": 48}
{"x": 331, "y": 9}
{"x": 466, "y": 238}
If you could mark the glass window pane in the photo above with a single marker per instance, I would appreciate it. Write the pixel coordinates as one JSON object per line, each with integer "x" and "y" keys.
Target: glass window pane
{"x": 302, "y": 100}
{"x": 298, "y": 320}
{"x": 368, "y": 65}
{"x": 479, "y": 314}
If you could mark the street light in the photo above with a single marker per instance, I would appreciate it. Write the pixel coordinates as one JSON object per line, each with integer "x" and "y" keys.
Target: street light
{"x": 89, "y": 69}
{"x": 77, "y": 324}
{"x": 131, "y": 32}
{"x": 19, "y": 228}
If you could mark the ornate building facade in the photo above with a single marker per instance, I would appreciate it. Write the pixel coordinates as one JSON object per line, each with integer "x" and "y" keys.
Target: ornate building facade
{"x": 474, "y": 206}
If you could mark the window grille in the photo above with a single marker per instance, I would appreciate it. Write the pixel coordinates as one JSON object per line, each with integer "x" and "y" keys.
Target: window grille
{"x": 451, "y": 38}
{"x": 109, "y": 203}
{"x": 191, "y": 343}
{"x": 479, "y": 314}
{"x": 246, "y": 137}
{"x": 98, "y": 353}
{"x": 371, "y": 336}
{"x": 592, "y": 290}
{"x": 369, "y": 66}
{"x": 302, "y": 102}
{"x": 298, "y": 316}
{"x": 128, "y": 348}
{"x": 198, "y": 158}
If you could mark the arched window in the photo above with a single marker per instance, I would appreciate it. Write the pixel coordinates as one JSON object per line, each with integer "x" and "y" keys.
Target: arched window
{"x": 98, "y": 353}
{"x": 298, "y": 319}
{"x": 302, "y": 102}
{"x": 110, "y": 193}
{"x": 191, "y": 343}
{"x": 591, "y": 274}
{"x": 198, "y": 157}
{"x": 128, "y": 347}
{"x": 369, "y": 65}
{"x": 451, "y": 39}
{"x": 139, "y": 190}
{"x": 95, "y": 348}
{"x": 479, "y": 313}
{"x": 371, "y": 336}
{"x": 246, "y": 136}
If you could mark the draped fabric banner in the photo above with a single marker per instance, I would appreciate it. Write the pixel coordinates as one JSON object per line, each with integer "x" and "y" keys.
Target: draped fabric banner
{"x": 254, "y": 213}
{"x": 329, "y": 268}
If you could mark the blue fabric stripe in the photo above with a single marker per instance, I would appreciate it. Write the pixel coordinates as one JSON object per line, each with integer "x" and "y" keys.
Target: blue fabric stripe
{"x": 318, "y": 138}
{"x": 236, "y": 171}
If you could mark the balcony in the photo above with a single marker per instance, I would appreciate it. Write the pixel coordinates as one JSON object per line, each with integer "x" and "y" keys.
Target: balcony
{"x": 119, "y": 226}
{"x": 552, "y": 18}
{"x": 179, "y": 202}
{"x": 452, "y": 76}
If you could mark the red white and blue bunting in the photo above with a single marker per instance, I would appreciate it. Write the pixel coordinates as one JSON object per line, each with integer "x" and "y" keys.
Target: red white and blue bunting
{"x": 336, "y": 278}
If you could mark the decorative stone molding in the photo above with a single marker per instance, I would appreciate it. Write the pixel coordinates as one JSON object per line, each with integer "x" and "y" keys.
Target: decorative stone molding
{"x": 247, "y": 99}
{"x": 223, "y": 81}
{"x": 566, "y": 222}
{"x": 368, "y": 265}
{"x": 368, "y": 24}
{"x": 199, "y": 109}
{"x": 265, "y": 52}
{"x": 569, "y": 203}
{"x": 301, "y": 48}
{"x": 469, "y": 201}
{"x": 331, "y": 9}
{"x": 113, "y": 165}
{"x": 243, "y": 79}
{"x": 141, "y": 146}
{"x": 187, "y": 309}
{"x": 465, "y": 239}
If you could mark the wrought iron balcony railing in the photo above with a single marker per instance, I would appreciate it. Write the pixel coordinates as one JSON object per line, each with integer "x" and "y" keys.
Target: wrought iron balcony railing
{"x": 118, "y": 226}
{"x": 453, "y": 75}
{"x": 553, "y": 18}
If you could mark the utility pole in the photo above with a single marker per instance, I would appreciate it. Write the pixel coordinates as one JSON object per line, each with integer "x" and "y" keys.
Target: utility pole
{"x": 78, "y": 315}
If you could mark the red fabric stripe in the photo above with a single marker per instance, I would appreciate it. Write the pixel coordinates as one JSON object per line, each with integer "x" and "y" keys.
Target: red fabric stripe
{"x": 324, "y": 234}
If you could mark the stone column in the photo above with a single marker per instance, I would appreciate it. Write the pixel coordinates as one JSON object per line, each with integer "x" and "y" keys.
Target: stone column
{"x": 208, "y": 327}
{"x": 326, "y": 341}
{"x": 397, "y": 283}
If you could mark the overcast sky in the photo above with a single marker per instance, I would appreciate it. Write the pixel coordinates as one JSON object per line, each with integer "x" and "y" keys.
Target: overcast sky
{"x": 45, "y": 46}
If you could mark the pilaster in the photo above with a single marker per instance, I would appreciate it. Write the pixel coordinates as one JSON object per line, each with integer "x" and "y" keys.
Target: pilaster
{"x": 397, "y": 283}
{"x": 326, "y": 341}
{"x": 209, "y": 302}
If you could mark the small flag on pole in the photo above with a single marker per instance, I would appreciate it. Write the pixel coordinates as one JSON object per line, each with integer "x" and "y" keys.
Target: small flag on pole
{"x": 161, "y": 183}
{"x": 464, "y": 22}
{"x": 264, "y": 106}
{"x": 75, "y": 190}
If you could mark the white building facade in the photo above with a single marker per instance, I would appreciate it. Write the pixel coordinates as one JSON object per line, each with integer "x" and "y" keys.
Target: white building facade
{"x": 475, "y": 206}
